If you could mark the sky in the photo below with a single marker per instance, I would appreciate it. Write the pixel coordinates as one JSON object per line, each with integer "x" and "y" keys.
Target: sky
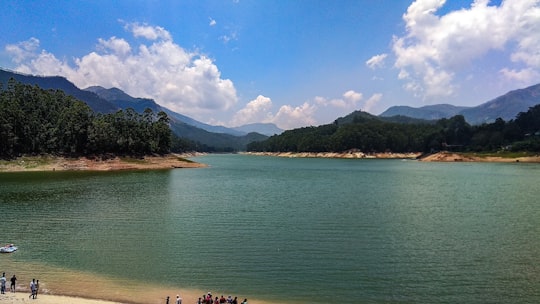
{"x": 294, "y": 63}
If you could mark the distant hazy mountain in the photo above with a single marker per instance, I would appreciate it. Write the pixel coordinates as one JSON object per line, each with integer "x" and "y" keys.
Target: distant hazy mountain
{"x": 505, "y": 107}
{"x": 124, "y": 101}
{"x": 268, "y": 129}
{"x": 431, "y": 112}
{"x": 184, "y": 126}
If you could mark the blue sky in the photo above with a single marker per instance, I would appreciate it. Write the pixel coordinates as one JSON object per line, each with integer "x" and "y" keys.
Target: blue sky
{"x": 292, "y": 63}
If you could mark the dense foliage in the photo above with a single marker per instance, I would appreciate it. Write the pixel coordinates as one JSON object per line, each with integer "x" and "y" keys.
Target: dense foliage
{"x": 37, "y": 121}
{"x": 367, "y": 133}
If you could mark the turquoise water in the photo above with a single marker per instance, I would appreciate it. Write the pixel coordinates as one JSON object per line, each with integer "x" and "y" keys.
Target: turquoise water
{"x": 291, "y": 230}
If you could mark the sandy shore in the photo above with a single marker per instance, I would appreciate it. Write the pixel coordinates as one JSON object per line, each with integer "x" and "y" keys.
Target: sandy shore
{"x": 347, "y": 154}
{"x": 49, "y": 163}
{"x": 467, "y": 157}
{"x": 48, "y": 299}
{"x": 435, "y": 157}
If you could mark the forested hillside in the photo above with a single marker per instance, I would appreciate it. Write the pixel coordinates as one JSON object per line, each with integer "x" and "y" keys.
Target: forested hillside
{"x": 366, "y": 133}
{"x": 37, "y": 121}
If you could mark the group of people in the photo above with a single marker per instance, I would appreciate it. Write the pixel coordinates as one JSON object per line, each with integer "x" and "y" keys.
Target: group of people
{"x": 3, "y": 282}
{"x": 34, "y": 286}
{"x": 208, "y": 299}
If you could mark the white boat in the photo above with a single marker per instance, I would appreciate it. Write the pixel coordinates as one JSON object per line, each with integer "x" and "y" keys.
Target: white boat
{"x": 8, "y": 248}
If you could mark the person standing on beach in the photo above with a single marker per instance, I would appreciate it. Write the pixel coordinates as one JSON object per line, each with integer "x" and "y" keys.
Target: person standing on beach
{"x": 3, "y": 283}
{"x": 37, "y": 289}
{"x": 167, "y": 301}
{"x": 32, "y": 289}
{"x": 12, "y": 286}
{"x": 178, "y": 299}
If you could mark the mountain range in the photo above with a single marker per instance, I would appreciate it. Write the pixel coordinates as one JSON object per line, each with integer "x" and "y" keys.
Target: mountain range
{"x": 506, "y": 107}
{"x": 221, "y": 138}
{"x": 104, "y": 100}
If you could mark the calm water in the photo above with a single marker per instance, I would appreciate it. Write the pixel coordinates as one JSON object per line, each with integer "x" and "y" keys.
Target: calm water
{"x": 289, "y": 230}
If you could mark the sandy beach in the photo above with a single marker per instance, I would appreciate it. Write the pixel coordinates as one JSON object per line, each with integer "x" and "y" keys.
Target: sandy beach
{"x": 108, "y": 294}
{"x": 48, "y": 299}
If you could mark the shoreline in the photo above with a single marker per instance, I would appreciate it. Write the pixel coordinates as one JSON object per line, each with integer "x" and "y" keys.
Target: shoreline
{"x": 49, "y": 299}
{"x": 443, "y": 156}
{"x": 53, "y": 163}
{"x": 344, "y": 155}
{"x": 65, "y": 286}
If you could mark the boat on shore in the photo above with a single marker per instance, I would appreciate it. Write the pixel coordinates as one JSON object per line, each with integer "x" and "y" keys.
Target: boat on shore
{"x": 9, "y": 248}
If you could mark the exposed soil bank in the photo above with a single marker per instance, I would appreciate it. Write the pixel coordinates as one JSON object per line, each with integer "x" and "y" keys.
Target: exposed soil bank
{"x": 51, "y": 163}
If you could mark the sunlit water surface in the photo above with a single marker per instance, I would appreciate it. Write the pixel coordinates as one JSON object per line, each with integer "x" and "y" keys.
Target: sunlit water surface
{"x": 282, "y": 230}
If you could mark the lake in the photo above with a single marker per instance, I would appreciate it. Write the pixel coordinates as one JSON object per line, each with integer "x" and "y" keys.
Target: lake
{"x": 284, "y": 230}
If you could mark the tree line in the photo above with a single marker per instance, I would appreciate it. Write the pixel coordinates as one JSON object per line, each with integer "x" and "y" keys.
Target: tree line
{"x": 370, "y": 134}
{"x": 36, "y": 121}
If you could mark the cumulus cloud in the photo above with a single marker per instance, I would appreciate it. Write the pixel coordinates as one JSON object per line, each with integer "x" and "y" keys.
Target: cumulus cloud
{"x": 114, "y": 45}
{"x": 286, "y": 117}
{"x": 524, "y": 76}
{"x": 352, "y": 96}
{"x": 376, "y": 61}
{"x": 212, "y": 22}
{"x": 183, "y": 81}
{"x": 349, "y": 101}
{"x": 436, "y": 47}
{"x": 289, "y": 117}
{"x": 23, "y": 50}
{"x": 149, "y": 32}
{"x": 370, "y": 104}
{"x": 255, "y": 111}
{"x": 317, "y": 111}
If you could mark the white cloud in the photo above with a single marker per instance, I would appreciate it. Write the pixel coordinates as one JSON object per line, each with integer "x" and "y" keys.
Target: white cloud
{"x": 187, "y": 82}
{"x": 255, "y": 111}
{"x": 352, "y": 96}
{"x": 212, "y": 22}
{"x": 525, "y": 76}
{"x": 289, "y": 117}
{"x": 349, "y": 101}
{"x": 117, "y": 46}
{"x": 232, "y": 36}
{"x": 286, "y": 117}
{"x": 436, "y": 47}
{"x": 376, "y": 61}
{"x": 23, "y": 50}
{"x": 146, "y": 31}
{"x": 319, "y": 110}
{"x": 370, "y": 104}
